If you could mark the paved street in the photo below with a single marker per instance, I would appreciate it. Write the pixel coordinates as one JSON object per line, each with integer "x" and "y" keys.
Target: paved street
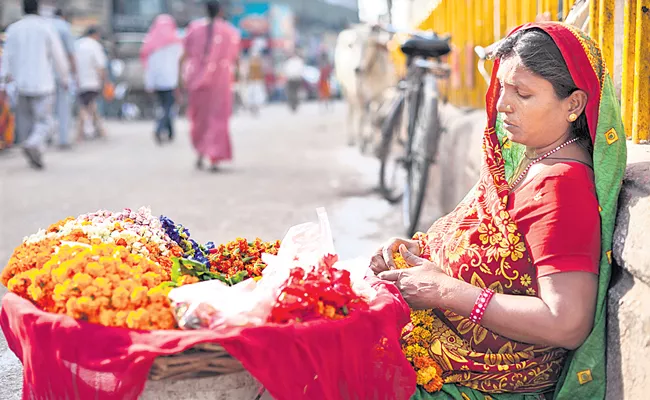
{"x": 285, "y": 166}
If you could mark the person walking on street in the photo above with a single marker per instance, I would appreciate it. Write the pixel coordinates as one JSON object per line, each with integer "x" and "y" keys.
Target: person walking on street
{"x": 160, "y": 55}
{"x": 32, "y": 53}
{"x": 324, "y": 90}
{"x": 211, "y": 52}
{"x": 294, "y": 68}
{"x": 63, "y": 97}
{"x": 91, "y": 72}
{"x": 255, "y": 85}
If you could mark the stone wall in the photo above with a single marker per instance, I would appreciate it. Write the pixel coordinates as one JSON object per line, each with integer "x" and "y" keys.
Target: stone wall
{"x": 628, "y": 338}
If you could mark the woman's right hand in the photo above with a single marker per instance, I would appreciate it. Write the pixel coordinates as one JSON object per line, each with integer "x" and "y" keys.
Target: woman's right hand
{"x": 383, "y": 260}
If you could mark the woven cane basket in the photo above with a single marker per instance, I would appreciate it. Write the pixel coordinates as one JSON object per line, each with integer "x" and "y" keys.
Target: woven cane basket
{"x": 201, "y": 361}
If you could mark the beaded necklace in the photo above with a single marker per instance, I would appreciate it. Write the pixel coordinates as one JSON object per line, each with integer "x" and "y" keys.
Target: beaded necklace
{"x": 538, "y": 159}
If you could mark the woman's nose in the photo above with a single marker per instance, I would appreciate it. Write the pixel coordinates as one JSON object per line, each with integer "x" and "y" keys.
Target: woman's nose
{"x": 502, "y": 103}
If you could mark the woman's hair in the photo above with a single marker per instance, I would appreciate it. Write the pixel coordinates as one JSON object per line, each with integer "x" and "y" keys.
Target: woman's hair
{"x": 30, "y": 6}
{"x": 212, "y": 7}
{"x": 540, "y": 55}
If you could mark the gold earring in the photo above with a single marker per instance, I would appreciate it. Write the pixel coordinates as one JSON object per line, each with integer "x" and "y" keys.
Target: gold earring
{"x": 573, "y": 117}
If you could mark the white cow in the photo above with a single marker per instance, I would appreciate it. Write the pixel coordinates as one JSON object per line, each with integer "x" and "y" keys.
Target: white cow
{"x": 364, "y": 71}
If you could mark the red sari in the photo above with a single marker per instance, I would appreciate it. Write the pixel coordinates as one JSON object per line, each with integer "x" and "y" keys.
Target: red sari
{"x": 506, "y": 241}
{"x": 209, "y": 72}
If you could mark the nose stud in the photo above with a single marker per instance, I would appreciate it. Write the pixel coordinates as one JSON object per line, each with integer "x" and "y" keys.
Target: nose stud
{"x": 509, "y": 108}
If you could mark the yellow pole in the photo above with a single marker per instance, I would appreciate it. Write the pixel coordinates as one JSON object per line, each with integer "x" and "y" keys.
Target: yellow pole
{"x": 641, "y": 119}
{"x": 503, "y": 18}
{"x": 566, "y": 7}
{"x": 593, "y": 19}
{"x": 553, "y": 7}
{"x": 606, "y": 32}
{"x": 627, "y": 89}
{"x": 469, "y": 60}
{"x": 525, "y": 10}
{"x": 511, "y": 15}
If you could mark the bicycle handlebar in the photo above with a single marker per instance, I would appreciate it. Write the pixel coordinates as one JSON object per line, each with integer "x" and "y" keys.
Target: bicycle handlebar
{"x": 410, "y": 32}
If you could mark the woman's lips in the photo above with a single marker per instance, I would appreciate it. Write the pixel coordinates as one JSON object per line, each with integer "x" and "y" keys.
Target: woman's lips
{"x": 509, "y": 125}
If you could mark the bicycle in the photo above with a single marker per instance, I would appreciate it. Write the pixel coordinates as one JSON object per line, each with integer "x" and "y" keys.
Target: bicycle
{"x": 412, "y": 129}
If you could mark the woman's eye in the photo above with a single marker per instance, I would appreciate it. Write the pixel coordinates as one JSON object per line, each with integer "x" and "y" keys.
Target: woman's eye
{"x": 523, "y": 96}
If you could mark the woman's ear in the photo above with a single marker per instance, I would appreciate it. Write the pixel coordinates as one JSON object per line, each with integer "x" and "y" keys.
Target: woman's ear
{"x": 577, "y": 102}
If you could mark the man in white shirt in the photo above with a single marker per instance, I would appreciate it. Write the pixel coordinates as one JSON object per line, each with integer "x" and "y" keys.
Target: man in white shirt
{"x": 32, "y": 54}
{"x": 161, "y": 77}
{"x": 63, "y": 97}
{"x": 294, "y": 68}
{"x": 91, "y": 74}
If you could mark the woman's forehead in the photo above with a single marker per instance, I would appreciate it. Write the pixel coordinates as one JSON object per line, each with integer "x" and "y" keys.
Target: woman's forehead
{"x": 511, "y": 70}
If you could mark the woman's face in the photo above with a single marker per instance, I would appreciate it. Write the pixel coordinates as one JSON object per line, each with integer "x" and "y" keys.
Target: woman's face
{"x": 533, "y": 114}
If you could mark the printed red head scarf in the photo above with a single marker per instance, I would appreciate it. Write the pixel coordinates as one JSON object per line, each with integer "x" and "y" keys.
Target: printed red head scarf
{"x": 480, "y": 243}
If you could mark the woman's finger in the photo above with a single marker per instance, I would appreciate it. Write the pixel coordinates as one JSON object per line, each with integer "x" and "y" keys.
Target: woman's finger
{"x": 377, "y": 264}
{"x": 387, "y": 252}
{"x": 392, "y": 276}
{"x": 410, "y": 258}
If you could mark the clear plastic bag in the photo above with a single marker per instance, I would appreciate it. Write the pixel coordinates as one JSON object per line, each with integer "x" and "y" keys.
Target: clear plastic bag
{"x": 212, "y": 304}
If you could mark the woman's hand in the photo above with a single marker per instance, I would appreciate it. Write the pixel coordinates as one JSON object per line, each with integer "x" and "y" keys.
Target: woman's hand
{"x": 424, "y": 285}
{"x": 383, "y": 260}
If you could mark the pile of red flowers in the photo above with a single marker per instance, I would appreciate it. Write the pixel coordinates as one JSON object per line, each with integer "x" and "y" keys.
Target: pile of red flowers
{"x": 323, "y": 292}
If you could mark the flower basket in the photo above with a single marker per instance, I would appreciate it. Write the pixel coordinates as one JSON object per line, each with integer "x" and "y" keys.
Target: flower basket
{"x": 201, "y": 361}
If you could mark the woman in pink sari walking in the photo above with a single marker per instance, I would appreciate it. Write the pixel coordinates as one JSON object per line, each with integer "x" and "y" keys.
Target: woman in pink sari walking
{"x": 211, "y": 51}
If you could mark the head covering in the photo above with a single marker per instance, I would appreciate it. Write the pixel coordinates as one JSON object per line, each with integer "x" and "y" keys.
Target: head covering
{"x": 163, "y": 32}
{"x": 463, "y": 240}
{"x": 584, "y": 375}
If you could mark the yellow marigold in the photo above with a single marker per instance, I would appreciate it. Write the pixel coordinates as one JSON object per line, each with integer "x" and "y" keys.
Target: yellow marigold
{"x": 104, "y": 286}
{"x": 139, "y": 296}
{"x": 138, "y": 319}
{"x": 82, "y": 280}
{"x": 120, "y": 298}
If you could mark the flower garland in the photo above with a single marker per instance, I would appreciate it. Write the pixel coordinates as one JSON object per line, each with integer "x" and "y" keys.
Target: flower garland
{"x": 100, "y": 283}
{"x": 139, "y": 232}
{"x": 415, "y": 344}
{"x": 241, "y": 258}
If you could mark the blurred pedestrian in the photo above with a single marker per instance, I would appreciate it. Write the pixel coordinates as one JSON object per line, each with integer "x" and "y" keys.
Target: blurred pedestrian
{"x": 63, "y": 93}
{"x": 255, "y": 85}
{"x": 7, "y": 121}
{"x": 294, "y": 69}
{"x": 91, "y": 72}
{"x": 32, "y": 54}
{"x": 211, "y": 51}
{"x": 324, "y": 90}
{"x": 160, "y": 55}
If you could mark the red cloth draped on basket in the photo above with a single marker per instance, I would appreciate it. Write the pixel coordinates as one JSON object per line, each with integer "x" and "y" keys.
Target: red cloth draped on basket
{"x": 355, "y": 358}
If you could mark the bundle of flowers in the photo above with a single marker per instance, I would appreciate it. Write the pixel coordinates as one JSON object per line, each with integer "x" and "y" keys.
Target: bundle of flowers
{"x": 323, "y": 292}
{"x": 101, "y": 283}
{"x": 415, "y": 344}
{"x": 241, "y": 258}
{"x": 231, "y": 263}
{"x": 139, "y": 232}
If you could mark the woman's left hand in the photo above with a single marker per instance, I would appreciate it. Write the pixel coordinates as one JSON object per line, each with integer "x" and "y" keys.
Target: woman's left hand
{"x": 423, "y": 285}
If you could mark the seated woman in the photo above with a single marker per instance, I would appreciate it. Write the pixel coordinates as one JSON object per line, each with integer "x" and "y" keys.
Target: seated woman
{"x": 511, "y": 284}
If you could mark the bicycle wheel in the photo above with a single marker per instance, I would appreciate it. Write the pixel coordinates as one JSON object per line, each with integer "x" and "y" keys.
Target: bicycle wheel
{"x": 392, "y": 171}
{"x": 426, "y": 124}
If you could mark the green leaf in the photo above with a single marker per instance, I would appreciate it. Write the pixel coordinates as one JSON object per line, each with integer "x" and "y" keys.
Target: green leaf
{"x": 176, "y": 269}
{"x": 246, "y": 259}
{"x": 238, "y": 277}
{"x": 168, "y": 284}
{"x": 345, "y": 310}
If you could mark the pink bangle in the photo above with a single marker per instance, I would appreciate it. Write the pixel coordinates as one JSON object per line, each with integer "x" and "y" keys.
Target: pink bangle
{"x": 481, "y": 304}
